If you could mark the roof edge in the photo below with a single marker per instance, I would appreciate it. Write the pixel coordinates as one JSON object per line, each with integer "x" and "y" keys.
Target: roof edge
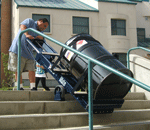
{"x": 58, "y": 8}
{"x": 117, "y": 1}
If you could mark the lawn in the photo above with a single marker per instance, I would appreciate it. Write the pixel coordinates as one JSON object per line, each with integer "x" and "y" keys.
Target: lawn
{"x": 11, "y": 88}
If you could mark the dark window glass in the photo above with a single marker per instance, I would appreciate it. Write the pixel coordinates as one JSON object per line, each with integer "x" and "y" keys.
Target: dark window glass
{"x": 80, "y": 25}
{"x": 140, "y": 34}
{"x": 118, "y": 27}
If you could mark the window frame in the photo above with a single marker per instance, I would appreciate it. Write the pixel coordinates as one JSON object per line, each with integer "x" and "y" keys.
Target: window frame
{"x": 113, "y": 29}
{"x": 89, "y": 24}
{"x": 138, "y": 29}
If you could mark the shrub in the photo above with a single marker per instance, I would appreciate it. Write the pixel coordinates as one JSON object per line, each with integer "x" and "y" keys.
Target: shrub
{"x": 9, "y": 75}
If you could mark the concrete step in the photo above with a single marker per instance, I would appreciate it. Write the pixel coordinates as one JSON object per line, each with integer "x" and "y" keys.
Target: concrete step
{"x": 135, "y": 104}
{"x": 65, "y": 120}
{"x": 37, "y": 110}
{"x": 139, "y": 125}
{"x": 39, "y": 107}
{"x": 30, "y": 96}
{"x": 135, "y": 96}
{"x": 49, "y": 95}
{"x": 28, "y": 89}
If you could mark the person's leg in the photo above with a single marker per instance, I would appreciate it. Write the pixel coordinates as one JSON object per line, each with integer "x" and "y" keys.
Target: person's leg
{"x": 32, "y": 79}
{"x": 37, "y": 79}
{"x": 21, "y": 85}
{"x": 12, "y": 66}
{"x": 29, "y": 66}
{"x": 43, "y": 80}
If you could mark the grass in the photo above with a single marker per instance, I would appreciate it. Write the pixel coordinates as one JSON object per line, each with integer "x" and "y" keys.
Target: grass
{"x": 11, "y": 88}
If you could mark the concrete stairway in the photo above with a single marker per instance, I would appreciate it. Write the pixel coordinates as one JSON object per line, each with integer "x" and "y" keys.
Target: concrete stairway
{"x": 38, "y": 110}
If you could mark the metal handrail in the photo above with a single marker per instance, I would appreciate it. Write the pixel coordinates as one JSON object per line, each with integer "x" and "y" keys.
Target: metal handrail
{"x": 90, "y": 61}
{"x": 128, "y": 64}
{"x": 134, "y": 48}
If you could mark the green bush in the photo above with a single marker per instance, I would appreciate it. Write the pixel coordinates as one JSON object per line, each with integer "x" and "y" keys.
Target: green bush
{"x": 10, "y": 78}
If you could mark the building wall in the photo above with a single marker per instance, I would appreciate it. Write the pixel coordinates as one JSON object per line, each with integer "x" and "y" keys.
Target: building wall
{"x": 114, "y": 43}
{"x": 100, "y": 24}
{"x": 15, "y": 20}
{"x": 61, "y": 21}
{"x": 142, "y": 21}
{"x": 143, "y": 16}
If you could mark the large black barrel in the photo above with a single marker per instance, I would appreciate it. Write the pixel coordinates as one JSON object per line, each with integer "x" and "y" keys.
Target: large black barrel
{"x": 106, "y": 85}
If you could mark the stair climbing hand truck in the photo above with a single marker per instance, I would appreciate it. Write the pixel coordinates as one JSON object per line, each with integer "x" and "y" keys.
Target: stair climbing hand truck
{"x": 71, "y": 71}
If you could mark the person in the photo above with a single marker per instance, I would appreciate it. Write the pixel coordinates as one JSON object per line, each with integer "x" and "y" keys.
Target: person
{"x": 27, "y": 60}
{"x": 40, "y": 75}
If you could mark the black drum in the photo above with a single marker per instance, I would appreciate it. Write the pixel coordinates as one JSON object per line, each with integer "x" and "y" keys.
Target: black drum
{"x": 106, "y": 85}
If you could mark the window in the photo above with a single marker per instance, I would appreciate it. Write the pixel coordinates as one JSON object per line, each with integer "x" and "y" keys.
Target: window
{"x": 121, "y": 57}
{"x": 38, "y": 16}
{"x": 140, "y": 34}
{"x": 118, "y": 27}
{"x": 80, "y": 25}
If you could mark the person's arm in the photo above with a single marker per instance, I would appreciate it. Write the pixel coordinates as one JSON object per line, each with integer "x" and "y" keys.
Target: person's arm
{"x": 39, "y": 37}
{"x": 40, "y": 66}
{"x": 23, "y": 27}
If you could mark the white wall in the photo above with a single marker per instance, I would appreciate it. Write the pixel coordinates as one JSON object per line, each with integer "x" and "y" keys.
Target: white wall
{"x": 15, "y": 20}
{"x": 141, "y": 69}
{"x": 108, "y": 11}
{"x": 61, "y": 22}
{"x": 143, "y": 16}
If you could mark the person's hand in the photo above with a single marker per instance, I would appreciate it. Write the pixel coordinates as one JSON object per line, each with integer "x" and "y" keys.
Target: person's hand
{"x": 39, "y": 37}
{"x": 23, "y": 27}
{"x": 42, "y": 67}
{"x": 29, "y": 36}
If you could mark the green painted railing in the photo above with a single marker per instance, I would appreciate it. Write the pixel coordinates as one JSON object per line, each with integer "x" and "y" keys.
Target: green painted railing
{"x": 90, "y": 61}
{"x": 128, "y": 53}
{"x": 144, "y": 86}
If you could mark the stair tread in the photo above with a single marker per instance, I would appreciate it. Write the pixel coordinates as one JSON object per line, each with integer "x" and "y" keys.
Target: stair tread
{"x": 43, "y": 115}
{"x": 106, "y": 126}
{"x": 37, "y": 101}
{"x": 119, "y": 118}
{"x": 74, "y": 113}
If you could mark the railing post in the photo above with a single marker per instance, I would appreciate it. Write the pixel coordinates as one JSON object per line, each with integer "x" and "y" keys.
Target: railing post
{"x": 19, "y": 62}
{"x": 90, "y": 95}
{"x": 128, "y": 64}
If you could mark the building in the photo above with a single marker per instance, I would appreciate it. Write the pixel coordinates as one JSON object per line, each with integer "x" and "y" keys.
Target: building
{"x": 112, "y": 22}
